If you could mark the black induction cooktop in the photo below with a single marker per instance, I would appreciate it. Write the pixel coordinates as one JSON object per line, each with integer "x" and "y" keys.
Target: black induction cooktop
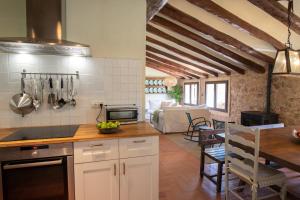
{"x": 47, "y": 132}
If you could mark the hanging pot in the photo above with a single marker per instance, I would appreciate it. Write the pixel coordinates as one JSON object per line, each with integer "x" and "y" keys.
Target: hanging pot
{"x": 22, "y": 103}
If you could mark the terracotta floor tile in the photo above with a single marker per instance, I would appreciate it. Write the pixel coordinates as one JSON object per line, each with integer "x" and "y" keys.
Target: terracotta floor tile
{"x": 179, "y": 176}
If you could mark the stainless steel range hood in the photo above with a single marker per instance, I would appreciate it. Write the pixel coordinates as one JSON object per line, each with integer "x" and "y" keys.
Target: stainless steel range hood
{"x": 45, "y": 22}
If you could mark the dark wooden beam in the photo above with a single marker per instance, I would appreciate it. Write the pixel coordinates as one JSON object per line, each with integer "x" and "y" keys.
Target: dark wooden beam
{"x": 169, "y": 72}
{"x": 186, "y": 71}
{"x": 159, "y": 65}
{"x": 175, "y": 65}
{"x": 237, "y": 22}
{"x": 279, "y": 12}
{"x": 170, "y": 56}
{"x": 194, "y": 23}
{"x": 156, "y": 31}
{"x": 222, "y": 50}
{"x": 187, "y": 55}
{"x": 153, "y": 7}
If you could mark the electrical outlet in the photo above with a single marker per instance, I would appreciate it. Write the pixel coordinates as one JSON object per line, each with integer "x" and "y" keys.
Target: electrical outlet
{"x": 97, "y": 104}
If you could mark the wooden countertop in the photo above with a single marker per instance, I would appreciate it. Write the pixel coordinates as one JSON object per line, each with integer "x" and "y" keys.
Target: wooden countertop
{"x": 85, "y": 132}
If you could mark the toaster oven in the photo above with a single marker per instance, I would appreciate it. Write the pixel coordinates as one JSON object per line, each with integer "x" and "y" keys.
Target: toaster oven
{"x": 123, "y": 114}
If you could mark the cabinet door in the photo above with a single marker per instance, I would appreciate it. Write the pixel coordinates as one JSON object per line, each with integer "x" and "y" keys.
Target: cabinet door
{"x": 139, "y": 178}
{"x": 97, "y": 180}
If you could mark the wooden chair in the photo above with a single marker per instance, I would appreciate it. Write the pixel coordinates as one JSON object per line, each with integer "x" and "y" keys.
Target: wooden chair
{"x": 217, "y": 154}
{"x": 217, "y": 124}
{"x": 244, "y": 141}
{"x": 195, "y": 125}
{"x": 269, "y": 126}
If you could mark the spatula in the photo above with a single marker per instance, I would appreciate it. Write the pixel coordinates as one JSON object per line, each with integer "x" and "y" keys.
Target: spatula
{"x": 51, "y": 96}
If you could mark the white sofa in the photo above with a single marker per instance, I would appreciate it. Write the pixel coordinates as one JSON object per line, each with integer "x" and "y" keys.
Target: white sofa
{"x": 174, "y": 119}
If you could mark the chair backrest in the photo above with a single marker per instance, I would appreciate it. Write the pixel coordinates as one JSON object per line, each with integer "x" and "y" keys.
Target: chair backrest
{"x": 243, "y": 142}
{"x": 189, "y": 117}
{"x": 268, "y": 126}
{"x": 218, "y": 124}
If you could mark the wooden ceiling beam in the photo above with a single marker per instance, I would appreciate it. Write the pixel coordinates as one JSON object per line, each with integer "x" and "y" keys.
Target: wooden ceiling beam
{"x": 222, "y": 50}
{"x": 186, "y": 71}
{"x": 237, "y": 22}
{"x": 159, "y": 65}
{"x": 279, "y": 12}
{"x": 169, "y": 72}
{"x": 174, "y": 65}
{"x": 194, "y": 23}
{"x": 153, "y": 7}
{"x": 156, "y": 31}
{"x": 187, "y": 55}
{"x": 170, "y": 56}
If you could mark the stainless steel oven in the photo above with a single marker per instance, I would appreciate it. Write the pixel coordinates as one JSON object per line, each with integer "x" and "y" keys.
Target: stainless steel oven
{"x": 123, "y": 114}
{"x": 43, "y": 172}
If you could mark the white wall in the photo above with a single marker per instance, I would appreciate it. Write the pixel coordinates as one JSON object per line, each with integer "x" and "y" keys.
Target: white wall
{"x": 113, "y": 81}
{"x": 12, "y": 18}
{"x": 113, "y": 28}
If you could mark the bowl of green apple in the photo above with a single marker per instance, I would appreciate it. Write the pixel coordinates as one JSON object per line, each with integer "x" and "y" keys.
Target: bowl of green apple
{"x": 108, "y": 127}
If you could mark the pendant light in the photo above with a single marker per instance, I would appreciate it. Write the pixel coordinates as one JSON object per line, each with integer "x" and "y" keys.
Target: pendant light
{"x": 287, "y": 60}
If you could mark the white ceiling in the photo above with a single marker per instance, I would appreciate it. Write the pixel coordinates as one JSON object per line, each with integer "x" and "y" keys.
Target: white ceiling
{"x": 241, "y": 8}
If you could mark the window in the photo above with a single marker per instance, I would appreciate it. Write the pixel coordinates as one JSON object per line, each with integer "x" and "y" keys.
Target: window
{"x": 191, "y": 93}
{"x": 216, "y": 95}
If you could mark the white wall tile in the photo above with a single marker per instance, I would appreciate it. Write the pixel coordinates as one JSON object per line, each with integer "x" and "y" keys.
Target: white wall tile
{"x": 3, "y": 63}
{"x": 112, "y": 81}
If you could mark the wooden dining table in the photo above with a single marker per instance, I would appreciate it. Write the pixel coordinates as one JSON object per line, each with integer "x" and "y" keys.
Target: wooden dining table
{"x": 278, "y": 145}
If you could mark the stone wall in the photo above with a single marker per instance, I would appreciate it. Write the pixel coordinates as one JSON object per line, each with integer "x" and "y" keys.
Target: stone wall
{"x": 248, "y": 92}
{"x": 286, "y": 98}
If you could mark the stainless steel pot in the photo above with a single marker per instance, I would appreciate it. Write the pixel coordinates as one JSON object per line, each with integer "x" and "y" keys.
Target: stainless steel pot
{"x": 22, "y": 103}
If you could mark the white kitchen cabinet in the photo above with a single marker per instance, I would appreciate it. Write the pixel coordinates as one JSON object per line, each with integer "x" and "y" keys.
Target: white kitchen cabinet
{"x": 139, "y": 178}
{"x": 97, "y": 180}
{"x": 118, "y": 169}
{"x": 140, "y": 146}
{"x": 93, "y": 151}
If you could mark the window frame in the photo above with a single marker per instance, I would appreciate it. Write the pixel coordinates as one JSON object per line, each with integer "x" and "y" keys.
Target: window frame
{"x": 198, "y": 89}
{"x": 215, "y": 95}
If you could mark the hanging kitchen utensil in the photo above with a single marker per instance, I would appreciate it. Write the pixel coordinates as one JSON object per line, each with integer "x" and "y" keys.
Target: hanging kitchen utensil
{"x": 57, "y": 88}
{"x": 67, "y": 89}
{"x": 72, "y": 93}
{"x": 36, "y": 101}
{"x": 42, "y": 87}
{"x": 61, "y": 102}
{"x": 22, "y": 103}
{"x": 51, "y": 96}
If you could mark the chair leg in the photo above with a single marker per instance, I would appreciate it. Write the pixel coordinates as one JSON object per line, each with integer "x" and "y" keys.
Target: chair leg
{"x": 202, "y": 162}
{"x": 219, "y": 177}
{"x": 283, "y": 192}
{"x": 226, "y": 183}
{"x": 254, "y": 192}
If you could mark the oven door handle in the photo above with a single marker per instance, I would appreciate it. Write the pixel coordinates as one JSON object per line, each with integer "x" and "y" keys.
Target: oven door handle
{"x": 33, "y": 164}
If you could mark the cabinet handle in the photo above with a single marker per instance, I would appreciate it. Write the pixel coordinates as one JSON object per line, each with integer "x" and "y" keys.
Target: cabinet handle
{"x": 97, "y": 145}
{"x": 139, "y": 141}
{"x": 124, "y": 169}
{"x": 115, "y": 169}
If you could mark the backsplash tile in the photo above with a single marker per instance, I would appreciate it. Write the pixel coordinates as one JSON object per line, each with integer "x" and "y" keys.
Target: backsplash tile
{"x": 112, "y": 81}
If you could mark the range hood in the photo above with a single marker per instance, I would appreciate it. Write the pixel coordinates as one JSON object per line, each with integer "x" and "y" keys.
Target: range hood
{"x": 45, "y": 22}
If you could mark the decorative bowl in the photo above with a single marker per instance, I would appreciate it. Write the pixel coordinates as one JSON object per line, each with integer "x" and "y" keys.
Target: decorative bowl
{"x": 109, "y": 130}
{"x": 108, "y": 127}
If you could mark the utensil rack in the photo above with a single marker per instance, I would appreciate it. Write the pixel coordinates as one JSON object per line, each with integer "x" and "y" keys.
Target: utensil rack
{"x": 24, "y": 73}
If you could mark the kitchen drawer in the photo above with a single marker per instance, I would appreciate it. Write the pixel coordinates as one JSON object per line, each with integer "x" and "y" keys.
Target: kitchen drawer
{"x": 97, "y": 150}
{"x": 139, "y": 146}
